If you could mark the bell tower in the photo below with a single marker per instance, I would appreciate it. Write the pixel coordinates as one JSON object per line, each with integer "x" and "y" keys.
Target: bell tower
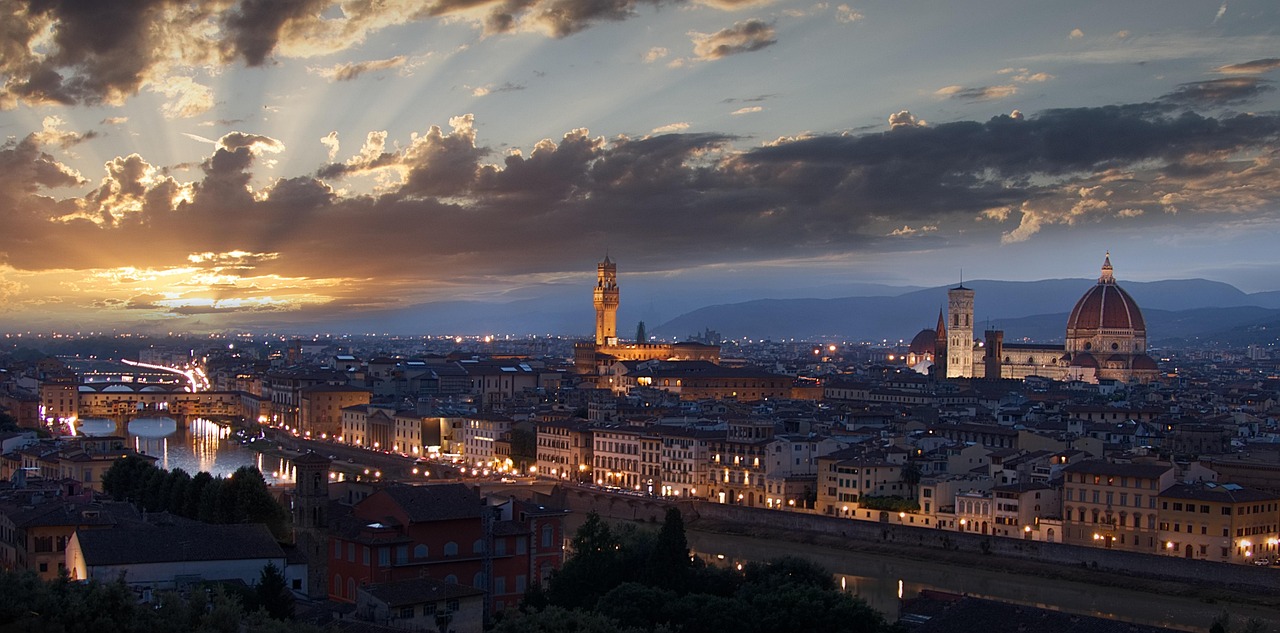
{"x": 606, "y": 301}
{"x": 311, "y": 520}
{"x": 960, "y": 332}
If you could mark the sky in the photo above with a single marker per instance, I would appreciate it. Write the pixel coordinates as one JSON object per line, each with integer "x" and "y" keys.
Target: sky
{"x": 190, "y": 166}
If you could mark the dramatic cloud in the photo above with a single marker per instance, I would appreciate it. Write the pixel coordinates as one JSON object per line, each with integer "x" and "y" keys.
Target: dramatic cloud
{"x": 1255, "y": 67}
{"x": 330, "y": 141}
{"x": 53, "y": 134}
{"x": 742, "y": 37}
{"x": 747, "y": 110}
{"x": 984, "y": 93}
{"x": 186, "y": 97}
{"x": 349, "y": 71}
{"x": 229, "y": 241}
{"x": 1226, "y": 91}
{"x": 105, "y": 52}
{"x": 561, "y": 18}
{"x": 905, "y": 119}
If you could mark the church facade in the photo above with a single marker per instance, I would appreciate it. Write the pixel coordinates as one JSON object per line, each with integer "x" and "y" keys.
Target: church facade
{"x": 1106, "y": 339}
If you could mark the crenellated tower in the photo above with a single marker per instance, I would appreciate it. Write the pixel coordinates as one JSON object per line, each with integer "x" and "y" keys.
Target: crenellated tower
{"x": 606, "y": 301}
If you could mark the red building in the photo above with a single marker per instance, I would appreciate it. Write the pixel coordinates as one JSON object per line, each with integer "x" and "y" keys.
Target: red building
{"x": 447, "y": 532}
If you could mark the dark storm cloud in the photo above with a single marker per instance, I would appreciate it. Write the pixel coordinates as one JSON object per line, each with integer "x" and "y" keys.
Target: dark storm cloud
{"x": 101, "y": 51}
{"x": 566, "y": 17}
{"x": 25, "y": 168}
{"x": 742, "y": 37}
{"x": 689, "y": 198}
{"x": 255, "y": 27}
{"x": 1218, "y": 92}
{"x": 105, "y": 52}
{"x": 1255, "y": 67}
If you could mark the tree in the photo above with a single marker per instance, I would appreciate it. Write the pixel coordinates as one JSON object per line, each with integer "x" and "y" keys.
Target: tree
{"x": 195, "y": 493}
{"x": 626, "y": 575}
{"x": 668, "y": 564}
{"x": 272, "y": 593}
{"x": 558, "y": 620}
{"x": 911, "y": 475}
{"x": 594, "y": 569}
{"x": 642, "y": 336}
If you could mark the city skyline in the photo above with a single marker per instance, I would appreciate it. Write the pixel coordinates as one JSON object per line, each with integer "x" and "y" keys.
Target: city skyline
{"x": 238, "y": 164}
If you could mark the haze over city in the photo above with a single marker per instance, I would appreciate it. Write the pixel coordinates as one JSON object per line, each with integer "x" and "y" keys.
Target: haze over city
{"x": 175, "y": 166}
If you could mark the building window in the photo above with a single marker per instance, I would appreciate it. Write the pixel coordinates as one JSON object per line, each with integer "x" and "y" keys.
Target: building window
{"x": 420, "y": 551}
{"x": 451, "y": 549}
{"x": 406, "y": 612}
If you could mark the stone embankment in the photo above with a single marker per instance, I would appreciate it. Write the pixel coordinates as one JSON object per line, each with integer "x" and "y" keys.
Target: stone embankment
{"x": 1201, "y": 579}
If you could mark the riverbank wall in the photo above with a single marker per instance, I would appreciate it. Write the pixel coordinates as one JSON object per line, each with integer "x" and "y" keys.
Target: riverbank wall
{"x": 914, "y": 541}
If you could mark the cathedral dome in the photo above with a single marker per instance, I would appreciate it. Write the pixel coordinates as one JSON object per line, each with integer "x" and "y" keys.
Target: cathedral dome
{"x": 924, "y": 343}
{"x": 1107, "y": 310}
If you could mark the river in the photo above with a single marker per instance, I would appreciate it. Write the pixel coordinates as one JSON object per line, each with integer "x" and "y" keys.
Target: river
{"x": 202, "y": 446}
{"x": 881, "y": 580}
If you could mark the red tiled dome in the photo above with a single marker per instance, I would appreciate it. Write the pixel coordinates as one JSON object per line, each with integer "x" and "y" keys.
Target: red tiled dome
{"x": 1106, "y": 306}
{"x": 1143, "y": 361}
{"x": 924, "y": 343}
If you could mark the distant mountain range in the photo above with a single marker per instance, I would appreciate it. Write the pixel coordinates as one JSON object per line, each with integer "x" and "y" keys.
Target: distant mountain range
{"x": 1175, "y": 310}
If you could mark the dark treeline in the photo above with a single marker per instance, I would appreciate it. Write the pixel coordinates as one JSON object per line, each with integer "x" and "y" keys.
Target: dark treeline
{"x": 241, "y": 498}
{"x": 62, "y": 606}
{"x": 637, "y": 581}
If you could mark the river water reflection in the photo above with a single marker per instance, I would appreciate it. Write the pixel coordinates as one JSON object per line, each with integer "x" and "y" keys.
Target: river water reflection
{"x": 202, "y": 446}
{"x": 881, "y": 580}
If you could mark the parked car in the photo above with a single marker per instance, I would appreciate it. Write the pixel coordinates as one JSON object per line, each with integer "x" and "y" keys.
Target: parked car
{"x": 1262, "y": 561}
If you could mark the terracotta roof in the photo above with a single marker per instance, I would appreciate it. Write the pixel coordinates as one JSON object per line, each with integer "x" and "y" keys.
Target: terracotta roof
{"x": 1218, "y": 493}
{"x": 170, "y": 544}
{"x": 434, "y": 502}
{"x": 1102, "y": 467}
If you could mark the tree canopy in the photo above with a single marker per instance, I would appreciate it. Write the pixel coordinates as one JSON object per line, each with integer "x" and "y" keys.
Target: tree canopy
{"x": 241, "y": 498}
{"x": 627, "y": 580}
